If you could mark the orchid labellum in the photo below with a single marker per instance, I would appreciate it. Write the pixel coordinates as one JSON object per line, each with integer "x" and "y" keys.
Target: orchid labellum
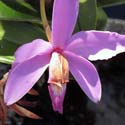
{"x": 65, "y": 53}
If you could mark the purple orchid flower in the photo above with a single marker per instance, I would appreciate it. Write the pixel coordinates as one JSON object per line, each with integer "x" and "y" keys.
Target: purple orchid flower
{"x": 65, "y": 53}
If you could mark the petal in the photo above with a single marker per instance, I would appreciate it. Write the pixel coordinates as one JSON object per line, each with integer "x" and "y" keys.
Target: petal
{"x": 96, "y": 45}
{"x": 57, "y": 94}
{"x": 30, "y": 50}
{"x": 63, "y": 20}
{"x": 22, "y": 78}
{"x": 85, "y": 74}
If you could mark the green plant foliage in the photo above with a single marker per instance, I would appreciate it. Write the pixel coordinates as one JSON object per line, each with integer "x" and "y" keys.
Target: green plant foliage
{"x": 25, "y": 5}
{"x": 87, "y": 18}
{"x": 8, "y": 13}
{"x": 14, "y": 34}
{"x": 7, "y": 59}
{"x": 104, "y": 3}
{"x": 101, "y": 19}
{"x": 21, "y": 6}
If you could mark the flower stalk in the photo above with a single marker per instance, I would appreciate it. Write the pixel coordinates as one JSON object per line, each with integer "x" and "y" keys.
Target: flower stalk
{"x": 44, "y": 20}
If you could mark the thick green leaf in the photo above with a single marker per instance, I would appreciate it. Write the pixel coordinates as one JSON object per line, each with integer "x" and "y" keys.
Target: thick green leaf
{"x": 7, "y": 59}
{"x": 8, "y": 13}
{"x": 14, "y": 34}
{"x": 101, "y": 19}
{"x": 105, "y": 3}
{"x": 87, "y": 18}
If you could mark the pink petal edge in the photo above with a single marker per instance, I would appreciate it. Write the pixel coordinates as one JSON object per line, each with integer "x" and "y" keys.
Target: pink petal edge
{"x": 57, "y": 97}
{"x": 30, "y": 50}
{"x": 96, "y": 45}
{"x": 86, "y": 75}
{"x": 22, "y": 78}
{"x": 63, "y": 20}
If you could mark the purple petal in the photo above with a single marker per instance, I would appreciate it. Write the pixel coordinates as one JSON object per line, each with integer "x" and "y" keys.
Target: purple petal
{"x": 63, "y": 21}
{"x": 57, "y": 94}
{"x": 30, "y": 50}
{"x": 96, "y": 45}
{"x": 85, "y": 74}
{"x": 22, "y": 78}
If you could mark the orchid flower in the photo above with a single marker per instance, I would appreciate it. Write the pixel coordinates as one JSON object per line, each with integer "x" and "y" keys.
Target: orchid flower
{"x": 65, "y": 53}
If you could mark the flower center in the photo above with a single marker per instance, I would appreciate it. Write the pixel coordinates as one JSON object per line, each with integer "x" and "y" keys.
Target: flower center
{"x": 58, "y": 68}
{"x": 58, "y": 50}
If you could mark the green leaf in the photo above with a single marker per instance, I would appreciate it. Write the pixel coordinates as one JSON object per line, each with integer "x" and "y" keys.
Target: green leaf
{"x": 1, "y": 31}
{"x": 14, "y": 34}
{"x": 7, "y": 59}
{"x": 87, "y": 18}
{"x": 101, "y": 19}
{"x": 8, "y": 13}
{"x": 7, "y": 47}
{"x": 21, "y": 6}
{"x": 26, "y": 5}
{"x": 105, "y": 3}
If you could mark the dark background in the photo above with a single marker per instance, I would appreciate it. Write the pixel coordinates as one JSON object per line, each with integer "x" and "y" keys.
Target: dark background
{"x": 116, "y": 11}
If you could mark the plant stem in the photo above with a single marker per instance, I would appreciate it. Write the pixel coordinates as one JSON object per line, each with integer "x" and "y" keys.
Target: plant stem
{"x": 44, "y": 20}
